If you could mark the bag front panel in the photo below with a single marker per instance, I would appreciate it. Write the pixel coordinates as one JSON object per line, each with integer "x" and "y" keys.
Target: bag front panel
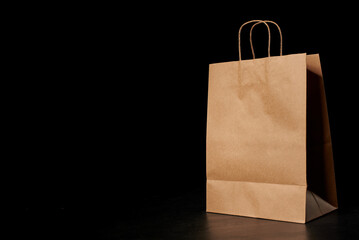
{"x": 256, "y": 122}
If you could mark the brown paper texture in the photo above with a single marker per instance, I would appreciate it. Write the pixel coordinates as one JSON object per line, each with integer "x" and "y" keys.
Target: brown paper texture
{"x": 265, "y": 153}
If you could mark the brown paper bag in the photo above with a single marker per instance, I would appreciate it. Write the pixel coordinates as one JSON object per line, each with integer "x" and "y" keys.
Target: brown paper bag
{"x": 269, "y": 151}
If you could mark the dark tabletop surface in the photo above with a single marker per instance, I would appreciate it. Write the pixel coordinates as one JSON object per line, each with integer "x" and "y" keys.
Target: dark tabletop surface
{"x": 178, "y": 216}
{"x": 184, "y": 217}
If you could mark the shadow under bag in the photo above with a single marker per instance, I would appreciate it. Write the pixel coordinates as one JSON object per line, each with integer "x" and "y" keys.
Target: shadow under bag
{"x": 269, "y": 149}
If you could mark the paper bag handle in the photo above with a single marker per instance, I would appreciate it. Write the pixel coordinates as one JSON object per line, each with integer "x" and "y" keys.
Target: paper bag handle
{"x": 239, "y": 37}
{"x": 269, "y": 36}
{"x": 280, "y": 35}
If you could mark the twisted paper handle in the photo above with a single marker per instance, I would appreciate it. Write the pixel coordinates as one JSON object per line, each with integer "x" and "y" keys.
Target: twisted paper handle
{"x": 239, "y": 36}
{"x": 269, "y": 36}
{"x": 280, "y": 35}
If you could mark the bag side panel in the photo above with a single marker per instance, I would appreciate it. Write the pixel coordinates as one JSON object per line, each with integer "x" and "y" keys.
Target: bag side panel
{"x": 320, "y": 164}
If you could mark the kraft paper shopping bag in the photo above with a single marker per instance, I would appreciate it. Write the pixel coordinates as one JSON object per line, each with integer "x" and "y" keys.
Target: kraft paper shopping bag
{"x": 269, "y": 152}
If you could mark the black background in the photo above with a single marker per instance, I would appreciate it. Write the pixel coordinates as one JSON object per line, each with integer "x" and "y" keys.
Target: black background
{"x": 112, "y": 102}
